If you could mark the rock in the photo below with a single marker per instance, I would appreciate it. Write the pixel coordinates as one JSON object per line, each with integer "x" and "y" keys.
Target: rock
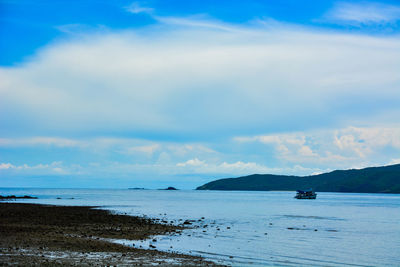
{"x": 170, "y": 188}
{"x": 15, "y": 197}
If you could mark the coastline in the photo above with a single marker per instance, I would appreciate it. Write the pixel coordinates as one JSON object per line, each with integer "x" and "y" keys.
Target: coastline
{"x": 47, "y": 235}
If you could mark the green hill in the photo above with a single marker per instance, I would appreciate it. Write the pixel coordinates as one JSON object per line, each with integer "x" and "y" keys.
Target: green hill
{"x": 369, "y": 180}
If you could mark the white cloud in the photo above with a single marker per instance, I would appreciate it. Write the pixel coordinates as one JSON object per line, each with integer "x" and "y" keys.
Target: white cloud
{"x": 127, "y": 146}
{"x": 287, "y": 145}
{"x": 5, "y": 166}
{"x": 364, "y": 141}
{"x": 137, "y": 8}
{"x": 147, "y": 149}
{"x": 93, "y": 143}
{"x": 54, "y": 167}
{"x": 196, "y": 166}
{"x": 192, "y": 162}
{"x": 337, "y": 148}
{"x": 243, "y": 167}
{"x": 250, "y": 79}
{"x": 363, "y": 13}
{"x": 394, "y": 161}
{"x": 307, "y": 152}
{"x": 80, "y": 29}
{"x": 200, "y": 22}
{"x": 32, "y": 141}
{"x": 199, "y": 166}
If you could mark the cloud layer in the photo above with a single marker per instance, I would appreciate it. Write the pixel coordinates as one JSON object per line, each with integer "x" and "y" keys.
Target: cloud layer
{"x": 198, "y": 81}
{"x": 350, "y": 147}
{"x": 363, "y": 14}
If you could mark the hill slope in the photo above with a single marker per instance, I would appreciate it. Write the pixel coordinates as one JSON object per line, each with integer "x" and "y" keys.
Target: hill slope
{"x": 369, "y": 180}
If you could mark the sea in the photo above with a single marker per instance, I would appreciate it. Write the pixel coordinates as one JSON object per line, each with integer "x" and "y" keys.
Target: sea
{"x": 242, "y": 228}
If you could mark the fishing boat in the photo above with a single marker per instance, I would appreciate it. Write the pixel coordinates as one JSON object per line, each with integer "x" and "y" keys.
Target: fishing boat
{"x": 305, "y": 194}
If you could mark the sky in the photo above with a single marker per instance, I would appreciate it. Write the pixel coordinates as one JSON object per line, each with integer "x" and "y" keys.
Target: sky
{"x": 117, "y": 94}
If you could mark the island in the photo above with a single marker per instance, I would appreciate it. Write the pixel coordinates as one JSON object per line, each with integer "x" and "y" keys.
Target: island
{"x": 385, "y": 179}
{"x": 170, "y": 188}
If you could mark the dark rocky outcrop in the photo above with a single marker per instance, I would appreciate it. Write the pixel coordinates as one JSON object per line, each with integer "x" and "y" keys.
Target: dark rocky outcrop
{"x": 170, "y": 188}
{"x": 15, "y": 197}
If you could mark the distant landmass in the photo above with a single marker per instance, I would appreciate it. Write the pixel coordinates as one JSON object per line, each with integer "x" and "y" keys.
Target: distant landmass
{"x": 384, "y": 179}
{"x": 170, "y": 188}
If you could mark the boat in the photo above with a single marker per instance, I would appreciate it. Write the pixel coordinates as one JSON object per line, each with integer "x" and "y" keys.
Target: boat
{"x": 306, "y": 194}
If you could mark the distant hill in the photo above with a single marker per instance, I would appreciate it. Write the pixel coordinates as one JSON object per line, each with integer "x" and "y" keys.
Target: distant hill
{"x": 369, "y": 180}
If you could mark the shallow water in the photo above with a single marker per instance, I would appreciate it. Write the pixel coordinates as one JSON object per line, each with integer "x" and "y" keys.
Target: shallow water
{"x": 258, "y": 228}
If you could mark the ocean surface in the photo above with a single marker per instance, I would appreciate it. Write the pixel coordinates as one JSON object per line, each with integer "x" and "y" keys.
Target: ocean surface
{"x": 257, "y": 228}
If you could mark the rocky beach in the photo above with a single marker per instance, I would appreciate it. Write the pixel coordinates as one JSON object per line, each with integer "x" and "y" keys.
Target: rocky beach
{"x": 47, "y": 235}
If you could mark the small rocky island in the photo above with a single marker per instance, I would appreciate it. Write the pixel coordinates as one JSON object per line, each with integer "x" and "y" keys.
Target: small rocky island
{"x": 170, "y": 188}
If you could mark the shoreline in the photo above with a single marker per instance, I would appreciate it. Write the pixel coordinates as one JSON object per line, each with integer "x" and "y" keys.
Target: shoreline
{"x": 49, "y": 235}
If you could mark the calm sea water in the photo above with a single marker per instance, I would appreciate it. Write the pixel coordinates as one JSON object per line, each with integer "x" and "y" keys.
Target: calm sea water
{"x": 257, "y": 228}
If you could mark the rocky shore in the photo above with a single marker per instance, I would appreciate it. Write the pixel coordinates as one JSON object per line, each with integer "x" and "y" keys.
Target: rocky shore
{"x": 13, "y": 197}
{"x": 44, "y": 235}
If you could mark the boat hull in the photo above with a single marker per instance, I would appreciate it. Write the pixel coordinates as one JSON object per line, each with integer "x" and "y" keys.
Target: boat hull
{"x": 306, "y": 197}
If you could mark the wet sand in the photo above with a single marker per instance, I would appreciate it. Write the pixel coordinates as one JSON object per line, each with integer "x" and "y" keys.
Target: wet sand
{"x": 32, "y": 234}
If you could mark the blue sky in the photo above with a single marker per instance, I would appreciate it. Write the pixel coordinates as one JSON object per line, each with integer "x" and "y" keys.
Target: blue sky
{"x": 160, "y": 93}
